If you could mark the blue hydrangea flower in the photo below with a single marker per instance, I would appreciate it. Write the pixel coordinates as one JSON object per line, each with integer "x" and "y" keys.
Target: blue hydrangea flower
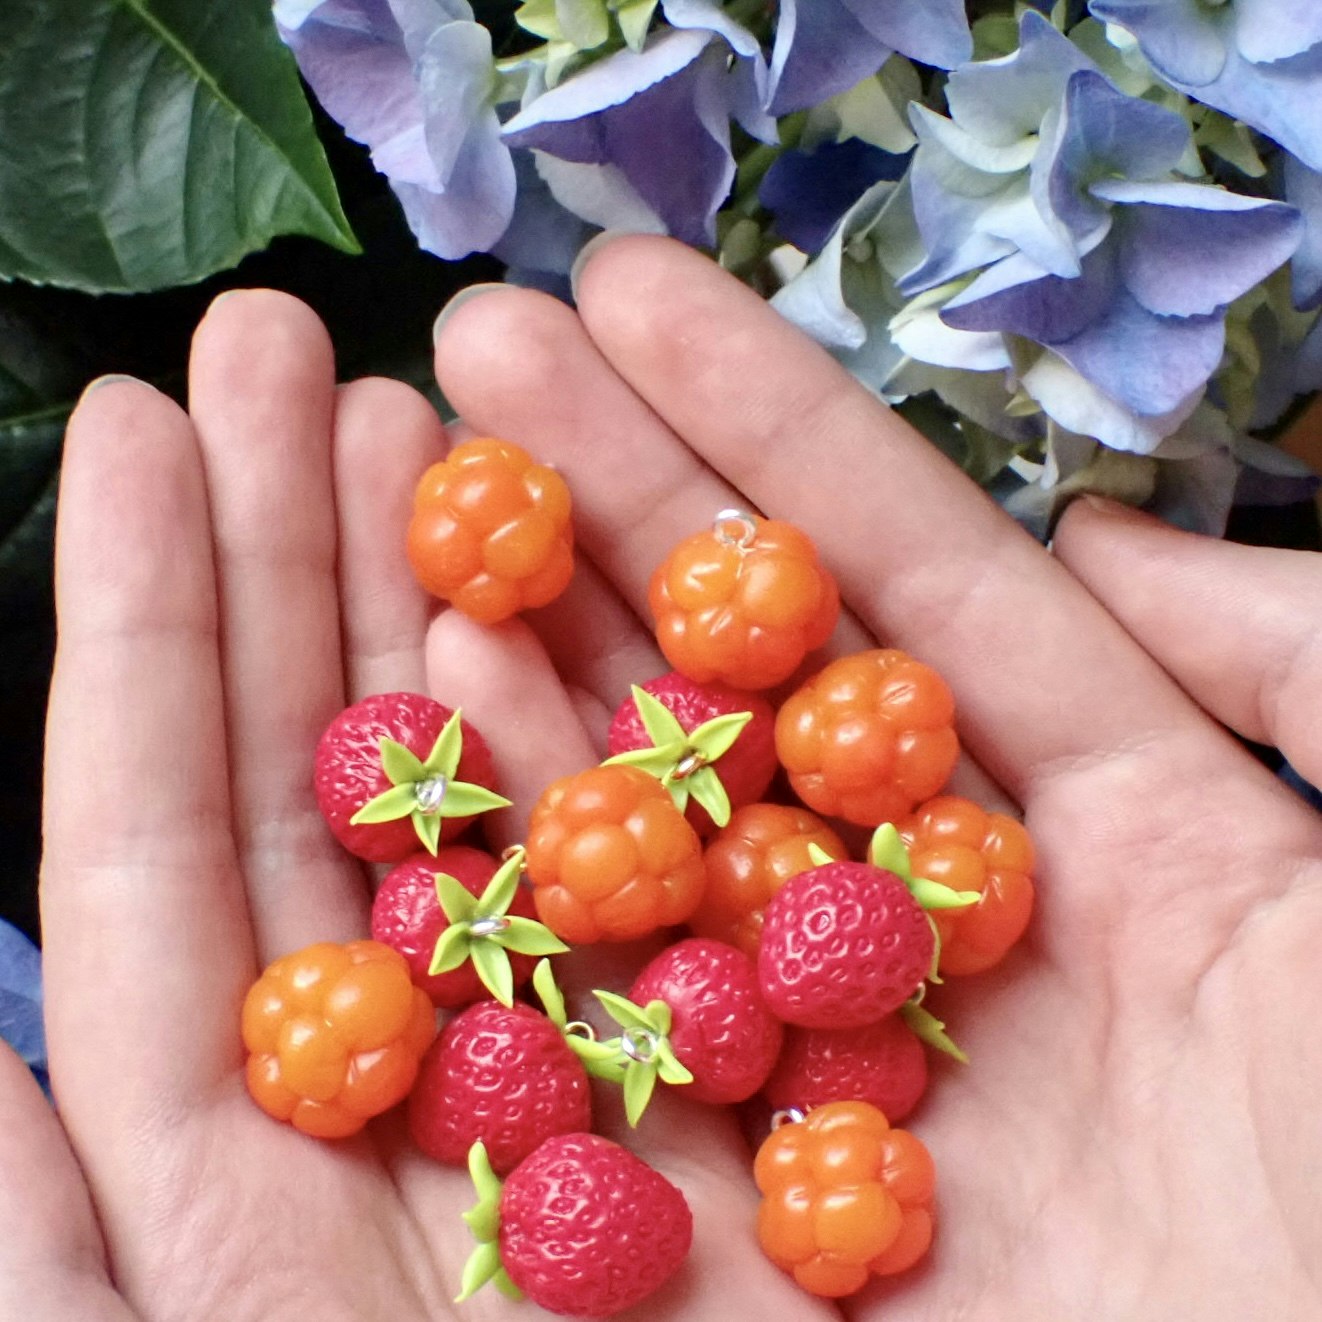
{"x": 1303, "y": 190}
{"x": 21, "y": 1022}
{"x": 415, "y": 81}
{"x": 660, "y": 117}
{"x": 823, "y": 47}
{"x": 1256, "y": 60}
{"x": 1056, "y": 191}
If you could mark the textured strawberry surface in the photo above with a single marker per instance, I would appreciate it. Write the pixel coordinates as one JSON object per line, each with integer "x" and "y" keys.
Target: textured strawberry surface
{"x": 500, "y": 1074}
{"x": 589, "y": 1229}
{"x": 745, "y": 769}
{"x": 882, "y": 1063}
{"x": 407, "y": 916}
{"x": 842, "y": 945}
{"x": 721, "y": 1028}
{"x": 347, "y": 770}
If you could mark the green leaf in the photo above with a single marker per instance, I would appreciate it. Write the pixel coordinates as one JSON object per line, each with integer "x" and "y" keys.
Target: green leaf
{"x": 457, "y": 902}
{"x": 552, "y": 999}
{"x": 603, "y": 1060}
{"x": 658, "y": 762}
{"x": 934, "y": 895}
{"x": 658, "y": 720}
{"x": 428, "y": 828}
{"x": 716, "y": 737}
{"x": 482, "y": 1265}
{"x": 705, "y": 786}
{"x": 818, "y": 855}
{"x": 465, "y": 800}
{"x": 526, "y": 936}
{"x": 539, "y": 18}
{"x": 401, "y": 765}
{"x": 583, "y": 22}
{"x": 639, "y": 1084}
{"x": 149, "y": 143}
{"x": 670, "y": 1067}
{"x": 493, "y": 967}
{"x": 389, "y": 806}
{"x": 502, "y": 1282}
{"x": 930, "y": 1029}
{"x": 635, "y": 16}
{"x": 499, "y": 892}
{"x": 451, "y": 950}
{"x": 443, "y": 760}
{"x": 626, "y": 1013}
{"x": 888, "y": 851}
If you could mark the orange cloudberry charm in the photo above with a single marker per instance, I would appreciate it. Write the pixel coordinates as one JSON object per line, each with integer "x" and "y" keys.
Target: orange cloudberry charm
{"x": 954, "y": 841}
{"x": 749, "y": 860}
{"x": 490, "y": 531}
{"x": 335, "y": 1033}
{"x": 610, "y": 857}
{"x": 844, "y": 1197}
{"x": 868, "y": 737}
{"x": 742, "y": 603}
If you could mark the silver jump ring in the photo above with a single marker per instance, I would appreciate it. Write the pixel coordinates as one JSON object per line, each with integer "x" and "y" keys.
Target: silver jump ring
{"x": 734, "y": 527}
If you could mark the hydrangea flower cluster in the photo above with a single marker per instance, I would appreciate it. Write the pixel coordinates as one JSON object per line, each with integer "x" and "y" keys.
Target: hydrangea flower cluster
{"x": 1079, "y": 244}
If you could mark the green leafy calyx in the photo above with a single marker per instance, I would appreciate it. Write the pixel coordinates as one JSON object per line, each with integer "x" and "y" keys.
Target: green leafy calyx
{"x": 642, "y": 1053}
{"x": 483, "y": 1219}
{"x": 681, "y": 759}
{"x": 426, "y": 790}
{"x": 889, "y": 852}
{"x": 481, "y": 929}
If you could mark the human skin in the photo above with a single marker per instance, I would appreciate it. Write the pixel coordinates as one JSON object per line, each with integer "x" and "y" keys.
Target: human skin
{"x": 1134, "y": 1136}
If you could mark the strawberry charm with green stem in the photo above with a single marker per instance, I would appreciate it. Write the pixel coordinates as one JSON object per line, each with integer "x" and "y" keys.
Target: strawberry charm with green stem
{"x": 397, "y": 769}
{"x": 711, "y": 746}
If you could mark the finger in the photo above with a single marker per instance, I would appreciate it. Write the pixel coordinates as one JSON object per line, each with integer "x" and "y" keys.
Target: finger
{"x": 261, "y": 390}
{"x": 386, "y": 435}
{"x": 142, "y": 899}
{"x": 52, "y": 1260}
{"x": 1235, "y": 626}
{"x": 924, "y": 557}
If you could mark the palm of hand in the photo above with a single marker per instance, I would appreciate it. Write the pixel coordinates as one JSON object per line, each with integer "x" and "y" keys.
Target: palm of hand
{"x": 1126, "y": 1121}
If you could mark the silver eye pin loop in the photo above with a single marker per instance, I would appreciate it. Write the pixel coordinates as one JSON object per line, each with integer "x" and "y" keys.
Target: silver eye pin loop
{"x": 735, "y": 527}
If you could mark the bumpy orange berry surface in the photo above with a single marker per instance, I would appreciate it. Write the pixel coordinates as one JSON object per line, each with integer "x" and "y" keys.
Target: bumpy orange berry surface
{"x": 761, "y": 847}
{"x": 610, "y": 857}
{"x": 491, "y": 530}
{"x": 954, "y": 841}
{"x": 844, "y": 1197}
{"x": 743, "y": 603}
{"x": 868, "y": 737}
{"x": 334, "y": 1035}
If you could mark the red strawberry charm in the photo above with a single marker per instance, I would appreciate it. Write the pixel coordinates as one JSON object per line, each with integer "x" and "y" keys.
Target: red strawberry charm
{"x": 503, "y": 1075}
{"x": 711, "y": 746}
{"x": 582, "y": 1227}
{"x": 842, "y": 945}
{"x": 697, "y": 1006}
{"x": 463, "y": 923}
{"x": 399, "y": 768}
{"x": 881, "y": 1063}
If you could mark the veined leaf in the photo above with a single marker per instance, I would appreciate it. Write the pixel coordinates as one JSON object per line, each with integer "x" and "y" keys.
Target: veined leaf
{"x": 149, "y": 143}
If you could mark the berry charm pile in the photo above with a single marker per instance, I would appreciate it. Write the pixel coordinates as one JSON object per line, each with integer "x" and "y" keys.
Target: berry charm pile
{"x": 785, "y": 974}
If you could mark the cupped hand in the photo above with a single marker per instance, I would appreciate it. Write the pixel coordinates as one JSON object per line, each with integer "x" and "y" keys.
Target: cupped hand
{"x": 1131, "y": 1139}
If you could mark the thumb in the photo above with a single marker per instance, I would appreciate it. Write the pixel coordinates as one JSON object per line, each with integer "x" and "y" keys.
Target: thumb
{"x": 1237, "y": 627}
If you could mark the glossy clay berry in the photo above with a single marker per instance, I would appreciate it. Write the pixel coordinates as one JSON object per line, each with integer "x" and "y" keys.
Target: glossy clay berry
{"x": 610, "y": 857}
{"x": 868, "y": 737}
{"x": 743, "y": 603}
{"x": 842, "y": 945}
{"x": 761, "y": 847}
{"x": 334, "y": 1035}
{"x": 844, "y": 1197}
{"x": 583, "y": 1227}
{"x": 954, "y": 841}
{"x": 491, "y": 531}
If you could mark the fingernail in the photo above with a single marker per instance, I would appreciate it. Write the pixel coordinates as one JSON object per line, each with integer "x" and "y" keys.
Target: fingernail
{"x": 594, "y": 245}
{"x": 457, "y": 300}
{"x": 1113, "y": 509}
{"x": 112, "y": 378}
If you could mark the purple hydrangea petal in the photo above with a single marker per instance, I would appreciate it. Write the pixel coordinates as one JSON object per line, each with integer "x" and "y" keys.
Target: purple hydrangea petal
{"x": 808, "y": 192}
{"x": 1183, "y": 39}
{"x": 660, "y": 115}
{"x": 454, "y": 77}
{"x": 935, "y": 32}
{"x": 21, "y": 1023}
{"x": 1267, "y": 30}
{"x": 600, "y": 194}
{"x": 1303, "y": 189}
{"x": 1016, "y": 297}
{"x": 542, "y": 235}
{"x": 1190, "y": 250}
{"x": 1150, "y": 364}
{"x": 820, "y": 49}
